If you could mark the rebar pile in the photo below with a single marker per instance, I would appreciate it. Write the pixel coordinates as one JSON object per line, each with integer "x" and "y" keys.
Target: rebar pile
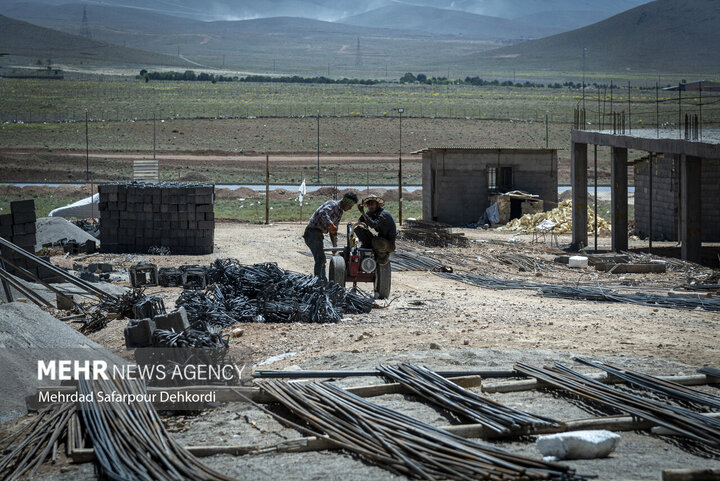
{"x": 130, "y": 441}
{"x": 683, "y": 421}
{"x": 518, "y": 261}
{"x": 668, "y": 389}
{"x": 432, "y": 234}
{"x": 266, "y": 293}
{"x": 639, "y": 298}
{"x": 402, "y": 260}
{"x": 199, "y": 336}
{"x": 462, "y": 402}
{"x": 40, "y": 443}
{"x": 399, "y": 443}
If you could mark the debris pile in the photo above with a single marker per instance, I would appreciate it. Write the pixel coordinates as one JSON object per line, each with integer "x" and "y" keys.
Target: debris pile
{"x": 561, "y": 216}
{"x": 432, "y": 234}
{"x": 56, "y": 231}
{"x": 266, "y": 293}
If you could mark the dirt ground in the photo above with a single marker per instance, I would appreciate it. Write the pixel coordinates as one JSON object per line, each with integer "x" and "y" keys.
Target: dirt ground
{"x": 442, "y": 323}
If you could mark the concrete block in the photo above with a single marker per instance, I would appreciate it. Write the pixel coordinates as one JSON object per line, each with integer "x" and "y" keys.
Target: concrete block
{"x": 578, "y": 444}
{"x": 176, "y": 320}
{"x": 139, "y": 332}
{"x": 25, "y": 206}
{"x": 65, "y": 303}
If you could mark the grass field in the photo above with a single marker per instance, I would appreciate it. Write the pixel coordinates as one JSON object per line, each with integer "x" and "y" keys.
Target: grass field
{"x": 111, "y": 99}
{"x": 246, "y": 210}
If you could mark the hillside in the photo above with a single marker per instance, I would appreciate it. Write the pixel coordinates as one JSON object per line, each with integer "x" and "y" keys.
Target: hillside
{"x": 333, "y": 10}
{"x": 21, "y": 39}
{"x": 662, "y": 36}
{"x": 440, "y": 21}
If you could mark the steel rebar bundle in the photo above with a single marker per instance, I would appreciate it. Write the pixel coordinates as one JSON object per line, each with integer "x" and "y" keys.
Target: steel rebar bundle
{"x": 671, "y": 390}
{"x": 460, "y": 401}
{"x": 266, "y": 293}
{"x": 399, "y": 443}
{"x": 129, "y": 439}
{"x": 40, "y": 442}
{"x": 403, "y": 260}
{"x": 680, "y": 420}
{"x": 432, "y": 234}
{"x": 586, "y": 293}
{"x": 639, "y": 298}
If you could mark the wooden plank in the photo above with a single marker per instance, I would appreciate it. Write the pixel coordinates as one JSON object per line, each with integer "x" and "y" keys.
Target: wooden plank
{"x": 649, "y": 268}
{"x": 690, "y": 474}
{"x": 518, "y": 386}
{"x": 693, "y": 294}
{"x": 311, "y": 443}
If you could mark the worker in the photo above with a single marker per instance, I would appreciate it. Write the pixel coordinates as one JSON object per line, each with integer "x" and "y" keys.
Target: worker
{"x": 382, "y": 222}
{"x": 326, "y": 219}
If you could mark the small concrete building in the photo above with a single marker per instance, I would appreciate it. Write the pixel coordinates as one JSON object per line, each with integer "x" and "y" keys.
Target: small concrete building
{"x": 459, "y": 183}
{"x": 666, "y": 199}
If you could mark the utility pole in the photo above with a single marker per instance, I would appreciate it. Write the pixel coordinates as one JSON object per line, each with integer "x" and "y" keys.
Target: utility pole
{"x": 400, "y": 182}
{"x": 267, "y": 188}
{"x": 318, "y": 147}
{"x": 584, "y": 53}
{"x": 154, "y": 136}
{"x": 87, "y": 149}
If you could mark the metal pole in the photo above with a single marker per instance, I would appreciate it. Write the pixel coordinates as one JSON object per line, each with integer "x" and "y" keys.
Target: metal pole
{"x": 318, "y": 147}
{"x": 701, "y": 106}
{"x": 267, "y": 188}
{"x": 657, "y": 109}
{"x": 596, "y": 199}
{"x": 680, "y": 110}
{"x": 650, "y": 238}
{"x": 400, "y": 183}
{"x": 629, "y": 109}
{"x": 547, "y": 129}
{"x": 154, "y": 136}
{"x": 87, "y": 149}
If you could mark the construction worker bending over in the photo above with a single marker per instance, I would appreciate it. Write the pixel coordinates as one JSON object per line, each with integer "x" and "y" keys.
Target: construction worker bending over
{"x": 326, "y": 219}
{"x": 382, "y": 222}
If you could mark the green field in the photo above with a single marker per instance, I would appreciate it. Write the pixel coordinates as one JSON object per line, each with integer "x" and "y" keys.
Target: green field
{"x": 246, "y": 210}
{"x": 111, "y": 99}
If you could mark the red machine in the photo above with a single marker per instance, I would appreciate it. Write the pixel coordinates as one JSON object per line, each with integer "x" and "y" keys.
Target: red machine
{"x": 354, "y": 264}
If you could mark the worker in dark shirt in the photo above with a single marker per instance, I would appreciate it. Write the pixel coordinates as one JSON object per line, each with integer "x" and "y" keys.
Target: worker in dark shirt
{"x": 382, "y": 222}
{"x": 326, "y": 219}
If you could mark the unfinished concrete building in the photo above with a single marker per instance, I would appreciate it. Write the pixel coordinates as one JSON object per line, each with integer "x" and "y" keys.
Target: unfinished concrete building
{"x": 680, "y": 176}
{"x": 459, "y": 184}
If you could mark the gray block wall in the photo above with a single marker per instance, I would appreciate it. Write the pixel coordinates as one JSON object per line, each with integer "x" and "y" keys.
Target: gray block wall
{"x": 455, "y": 189}
{"x": 136, "y": 216}
{"x": 666, "y": 199}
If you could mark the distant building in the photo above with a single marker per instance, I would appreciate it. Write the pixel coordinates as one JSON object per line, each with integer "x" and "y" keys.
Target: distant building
{"x": 706, "y": 86}
{"x": 459, "y": 184}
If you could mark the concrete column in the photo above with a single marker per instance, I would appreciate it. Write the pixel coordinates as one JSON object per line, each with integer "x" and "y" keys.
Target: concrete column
{"x": 690, "y": 208}
{"x": 619, "y": 195}
{"x": 578, "y": 174}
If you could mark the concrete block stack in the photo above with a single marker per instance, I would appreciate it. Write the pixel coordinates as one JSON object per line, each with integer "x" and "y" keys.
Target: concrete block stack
{"x": 19, "y": 228}
{"x": 137, "y": 216}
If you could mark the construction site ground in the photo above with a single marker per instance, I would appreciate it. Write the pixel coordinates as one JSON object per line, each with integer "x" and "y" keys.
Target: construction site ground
{"x": 442, "y": 324}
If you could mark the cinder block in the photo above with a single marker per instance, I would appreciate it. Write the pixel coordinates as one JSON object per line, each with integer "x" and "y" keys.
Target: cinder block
{"x": 176, "y": 320}
{"x": 139, "y": 332}
{"x": 23, "y": 217}
{"x": 23, "y": 206}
